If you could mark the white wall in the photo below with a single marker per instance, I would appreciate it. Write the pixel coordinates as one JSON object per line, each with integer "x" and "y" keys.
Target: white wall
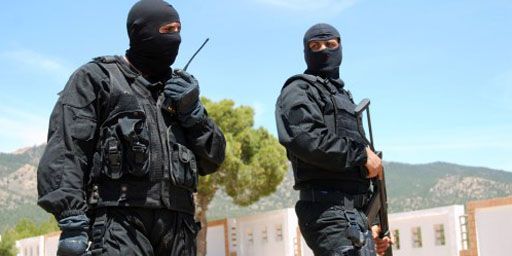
{"x": 290, "y": 232}
{"x": 251, "y": 231}
{"x": 240, "y": 230}
{"x": 215, "y": 245}
{"x": 32, "y": 246}
{"x": 244, "y": 229}
{"x": 426, "y": 219}
{"x": 493, "y": 226}
{"x": 51, "y": 242}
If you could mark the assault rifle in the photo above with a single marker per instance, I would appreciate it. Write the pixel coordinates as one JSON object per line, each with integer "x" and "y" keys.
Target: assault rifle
{"x": 378, "y": 205}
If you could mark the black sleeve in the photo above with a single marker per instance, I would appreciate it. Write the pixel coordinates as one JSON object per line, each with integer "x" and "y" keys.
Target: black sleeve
{"x": 208, "y": 144}
{"x": 302, "y": 130}
{"x": 65, "y": 164}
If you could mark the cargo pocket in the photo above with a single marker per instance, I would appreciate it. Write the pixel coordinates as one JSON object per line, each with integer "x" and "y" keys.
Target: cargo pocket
{"x": 354, "y": 231}
{"x": 345, "y": 108}
{"x": 136, "y": 143}
{"x": 346, "y": 119}
{"x": 187, "y": 236}
{"x": 191, "y": 226}
{"x": 183, "y": 171}
{"x": 82, "y": 126}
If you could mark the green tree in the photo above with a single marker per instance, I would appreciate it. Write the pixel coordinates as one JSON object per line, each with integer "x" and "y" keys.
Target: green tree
{"x": 7, "y": 247}
{"x": 255, "y": 162}
{"x": 23, "y": 229}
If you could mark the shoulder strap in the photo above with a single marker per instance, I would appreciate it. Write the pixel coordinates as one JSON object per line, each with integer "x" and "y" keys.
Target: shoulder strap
{"x": 116, "y": 76}
{"x": 319, "y": 84}
{"x": 312, "y": 80}
{"x": 109, "y": 64}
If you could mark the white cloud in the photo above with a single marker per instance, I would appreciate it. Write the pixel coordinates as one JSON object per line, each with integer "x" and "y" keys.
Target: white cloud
{"x": 312, "y": 5}
{"x": 21, "y": 125}
{"x": 21, "y": 129}
{"x": 38, "y": 62}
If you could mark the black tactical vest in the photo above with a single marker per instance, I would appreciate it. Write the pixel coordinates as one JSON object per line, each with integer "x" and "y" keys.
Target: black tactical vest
{"x": 142, "y": 158}
{"x": 340, "y": 119}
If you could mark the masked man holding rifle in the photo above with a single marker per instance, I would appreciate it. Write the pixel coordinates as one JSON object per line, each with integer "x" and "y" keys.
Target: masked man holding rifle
{"x": 119, "y": 171}
{"x": 332, "y": 163}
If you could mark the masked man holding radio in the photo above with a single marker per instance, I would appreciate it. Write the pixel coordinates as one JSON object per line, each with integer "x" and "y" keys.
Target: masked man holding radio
{"x": 119, "y": 171}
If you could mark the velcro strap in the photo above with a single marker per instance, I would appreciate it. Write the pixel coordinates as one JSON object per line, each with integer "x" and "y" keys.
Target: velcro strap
{"x": 98, "y": 231}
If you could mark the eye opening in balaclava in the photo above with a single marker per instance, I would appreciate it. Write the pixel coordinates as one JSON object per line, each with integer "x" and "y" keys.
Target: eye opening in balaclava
{"x": 173, "y": 27}
{"x": 318, "y": 45}
{"x": 324, "y": 63}
{"x": 150, "y": 51}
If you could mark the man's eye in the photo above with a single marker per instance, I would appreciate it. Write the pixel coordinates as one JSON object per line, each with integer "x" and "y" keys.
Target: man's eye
{"x": 174, "y": 27}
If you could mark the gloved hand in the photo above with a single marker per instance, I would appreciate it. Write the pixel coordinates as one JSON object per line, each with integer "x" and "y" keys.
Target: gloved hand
{"x": 183, "y": 91}
{"x": 74, "y": 239}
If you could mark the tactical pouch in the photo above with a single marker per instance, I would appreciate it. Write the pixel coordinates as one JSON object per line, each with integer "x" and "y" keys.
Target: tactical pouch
{"x": 136, "y": 140}
{"x": 183, "y": 171}
{"x": 125, "y": 147}
{"x": 353, "y": 231}
{"x": 112, "y": 154}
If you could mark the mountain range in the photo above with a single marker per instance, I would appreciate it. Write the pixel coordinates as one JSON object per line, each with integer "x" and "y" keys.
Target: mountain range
{"x": 409, "y": 186}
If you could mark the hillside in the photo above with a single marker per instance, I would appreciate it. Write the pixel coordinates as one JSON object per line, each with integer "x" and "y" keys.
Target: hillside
{"x": 18, "y": 186}
{"x": 410, "y": 187}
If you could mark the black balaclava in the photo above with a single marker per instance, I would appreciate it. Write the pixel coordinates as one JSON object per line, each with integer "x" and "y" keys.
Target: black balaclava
{"x": 150, "y": 51}
{"x": 325, "y": 63}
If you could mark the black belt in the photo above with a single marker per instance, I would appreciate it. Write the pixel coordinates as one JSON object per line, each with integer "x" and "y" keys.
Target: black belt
{"x": 334, "y": 196}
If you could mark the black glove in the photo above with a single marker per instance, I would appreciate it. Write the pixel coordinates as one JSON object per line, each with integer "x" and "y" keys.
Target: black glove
{"x": 183, "y": 91}
{"x": 74, "y": 238}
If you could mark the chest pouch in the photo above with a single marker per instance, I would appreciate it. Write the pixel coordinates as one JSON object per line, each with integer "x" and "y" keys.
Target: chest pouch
{"x": 136, "y": 141}
{"x": 346, "y": 119}
{"x": 183, "y": 165}
{"x": 112, "y": 154}
{"x": 125, "y": 147}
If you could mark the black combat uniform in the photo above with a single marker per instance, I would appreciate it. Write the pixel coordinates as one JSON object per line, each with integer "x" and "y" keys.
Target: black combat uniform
{"x": 114, "y": 155}
{"x": 317, "y": 125}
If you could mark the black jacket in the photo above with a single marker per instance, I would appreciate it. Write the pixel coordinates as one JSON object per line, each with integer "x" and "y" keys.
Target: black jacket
{"x": 110, "y": 144}
{"x": 317, "y": 125}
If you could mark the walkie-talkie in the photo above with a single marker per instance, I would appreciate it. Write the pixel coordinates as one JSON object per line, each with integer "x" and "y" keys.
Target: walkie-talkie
{"x": 167, "y": 104}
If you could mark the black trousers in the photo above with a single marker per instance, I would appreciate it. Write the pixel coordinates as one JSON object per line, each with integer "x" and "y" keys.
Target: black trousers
{"x": 144, "y": 232}
{"x": 325, "y": 228}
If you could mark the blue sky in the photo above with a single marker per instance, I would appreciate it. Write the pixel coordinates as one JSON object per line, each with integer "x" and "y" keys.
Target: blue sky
{"x": 438, "y": 73}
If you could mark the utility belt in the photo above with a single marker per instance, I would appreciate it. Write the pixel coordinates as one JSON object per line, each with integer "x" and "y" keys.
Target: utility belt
{"x": 161, "y": 194}
{"x": 357, "y": 201}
